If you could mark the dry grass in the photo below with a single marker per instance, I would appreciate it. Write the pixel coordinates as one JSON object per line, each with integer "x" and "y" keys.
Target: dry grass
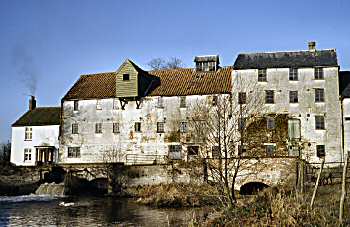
{"x": 175, "y": 195}
{"x": 284, "y": 208}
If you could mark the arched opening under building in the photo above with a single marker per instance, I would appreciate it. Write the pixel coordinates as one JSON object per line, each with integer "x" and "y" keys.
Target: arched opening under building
{"x": 252, "y": 188}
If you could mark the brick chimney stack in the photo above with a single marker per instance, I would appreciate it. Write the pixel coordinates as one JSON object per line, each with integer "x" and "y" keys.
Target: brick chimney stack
{"x": 312, "y": 46}
{"x": 32, "y": 103}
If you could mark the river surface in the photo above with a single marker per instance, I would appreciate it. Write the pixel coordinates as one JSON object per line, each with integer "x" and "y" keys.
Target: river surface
{"x": 36, "y": 210}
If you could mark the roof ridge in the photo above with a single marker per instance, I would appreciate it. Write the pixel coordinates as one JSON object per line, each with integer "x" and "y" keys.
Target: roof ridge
{"x": 287, "y": 51}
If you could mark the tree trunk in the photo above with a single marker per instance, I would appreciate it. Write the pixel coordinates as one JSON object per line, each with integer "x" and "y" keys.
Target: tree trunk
{"x": 317, "y": 182}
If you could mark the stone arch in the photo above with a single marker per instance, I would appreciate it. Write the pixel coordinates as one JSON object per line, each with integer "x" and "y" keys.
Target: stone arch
{"x": 252, "y": 187}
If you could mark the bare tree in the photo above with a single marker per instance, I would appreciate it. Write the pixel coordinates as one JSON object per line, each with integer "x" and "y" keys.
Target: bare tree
{"x": 232, "y": 135}
{"x": 5, "y": 150}
{"x": 160, "y": 63}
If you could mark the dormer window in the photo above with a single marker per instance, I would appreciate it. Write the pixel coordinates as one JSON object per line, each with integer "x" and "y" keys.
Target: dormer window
{"x": 207, "y": 63}
{"x": 126, "y": 76}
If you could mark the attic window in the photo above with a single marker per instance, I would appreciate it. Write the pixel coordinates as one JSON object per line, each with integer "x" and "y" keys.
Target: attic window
{"x": 126, "y": 76}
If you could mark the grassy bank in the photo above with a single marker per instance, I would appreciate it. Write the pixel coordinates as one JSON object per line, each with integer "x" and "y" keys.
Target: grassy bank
{"x": 174, "y": 195}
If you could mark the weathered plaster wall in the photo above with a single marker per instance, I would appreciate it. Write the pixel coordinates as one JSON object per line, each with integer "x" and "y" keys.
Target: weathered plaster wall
{"x": 346, "y": 121}
{"x": 41, "y": 136}
{"x": 94, "y": 147}
{"x": 306, "y": 108}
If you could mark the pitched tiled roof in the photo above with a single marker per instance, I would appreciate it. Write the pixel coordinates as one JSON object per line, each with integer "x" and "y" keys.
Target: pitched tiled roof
{"x": 40, "y": 116}
{"x": 344, "y": 84}
{"x": 286, "y": 59}
{"x": 187, "y": 81}
{"x": 93, "y": 86}
{"x": 173, "y": 82}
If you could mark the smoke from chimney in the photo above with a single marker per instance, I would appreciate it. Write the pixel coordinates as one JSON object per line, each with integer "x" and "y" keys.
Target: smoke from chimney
{"x": 26, "y": 68}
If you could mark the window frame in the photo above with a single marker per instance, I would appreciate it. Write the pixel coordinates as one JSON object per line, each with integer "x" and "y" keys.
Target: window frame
{"x": 160, "y": 127}
{"x": 183, "y": 102}
{"x": 242, "y": 98}
{"x": 27, "y": 154}
{"x": 318, "y": 73}
{"x": 319, "y": 95}
{"x": 75, "y": 128}
{"x": 28, "y": 133}
{"x": 73, "y": 152}
{"x": 98, "y": 104}
{"x": 320, "y": 150}
{"x": 192, "y": 150}
{"x": 116, "y": 128}
{"x": 293, "y": 74}
{"x": 269, "y": 96}
{"x": 320, "y": 122}
{"x": 137, "y": 127}
{"x": 270, "y": 153}
{"x": 293, "y": 97}
{"x": 160, "y": 102}
{"x": 270, "y": 123}
{"x": 75, "y": 105}
{"x": 98, "y": 128}
{"x": 126, "y": 77}
{"x": 115, "y": 104}
{"x": 183, "y": 127}
{"x": 262, "y": 75}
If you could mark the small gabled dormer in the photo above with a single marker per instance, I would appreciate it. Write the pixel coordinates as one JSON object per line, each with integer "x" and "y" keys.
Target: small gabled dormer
{"x": 133, "y": 83}
{"x": 207, "y": 63}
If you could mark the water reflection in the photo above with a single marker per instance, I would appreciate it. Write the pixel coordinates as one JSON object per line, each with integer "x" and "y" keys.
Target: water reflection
{"x": 88, "y": 211}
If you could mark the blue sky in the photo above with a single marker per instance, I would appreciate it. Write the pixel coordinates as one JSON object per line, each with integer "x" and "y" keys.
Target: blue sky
{"x": 56, "y": 41}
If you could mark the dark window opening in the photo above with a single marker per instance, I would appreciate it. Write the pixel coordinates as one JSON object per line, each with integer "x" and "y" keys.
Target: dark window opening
{"x": 126, "y": 76}
{"x": 269, "y": 97}
{"x": 137, "y": 126}
{"x": 319, "y": 95}
{"x": 160, "y": 127}
{"x": 262, "y": 75}
{"x": 73, "y": 152}
{"x": 242, "y": 98}
{"x": 319, "y": 73}
{"x": 319, "y": 122}
{"x": 76, "y": 105}
{"x": 192, "y": 150}
{"x": 321, "y": 152}
{"x": 293, "y": 96}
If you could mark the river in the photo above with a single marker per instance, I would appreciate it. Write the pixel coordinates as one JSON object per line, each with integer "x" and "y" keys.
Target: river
{"x": 33, "y": 210}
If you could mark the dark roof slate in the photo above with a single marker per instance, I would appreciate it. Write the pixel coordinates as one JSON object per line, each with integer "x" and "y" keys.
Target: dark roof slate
{"x": 296, "y": 59}
{"x": 40, "y": 116}
{"x": 344, "y": 84}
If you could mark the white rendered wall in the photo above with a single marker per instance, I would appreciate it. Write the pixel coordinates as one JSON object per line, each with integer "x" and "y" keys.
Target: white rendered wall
{"x": 41, "y": 136}
{"x": 306, "y": 109}
{"x": 346, "y": 121}
{"x": 94, "y": 147}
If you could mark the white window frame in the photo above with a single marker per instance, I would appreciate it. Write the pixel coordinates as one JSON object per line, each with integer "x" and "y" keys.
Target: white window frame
{"x": 28, "y": 133}
{"x": 262, "y": 75}
{"x": 318, "y": 73}
{"x": 27, "y": 155}
{"x": 319, "y": 95}
{"x": 293, "y": 74}
{"x": 73, "y": 152}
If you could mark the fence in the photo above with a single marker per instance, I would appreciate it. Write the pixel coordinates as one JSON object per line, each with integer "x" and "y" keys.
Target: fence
{"x": 144, "y": 159}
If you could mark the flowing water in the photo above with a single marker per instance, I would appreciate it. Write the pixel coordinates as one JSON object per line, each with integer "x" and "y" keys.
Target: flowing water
{"x": 35, "y": 210}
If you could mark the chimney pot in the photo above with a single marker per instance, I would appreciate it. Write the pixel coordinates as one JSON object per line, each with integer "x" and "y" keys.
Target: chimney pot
{"x": 312, "y": 46}
{"x": 32, "y": 103}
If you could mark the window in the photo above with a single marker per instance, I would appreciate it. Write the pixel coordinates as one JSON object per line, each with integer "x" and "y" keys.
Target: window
{"x": 269, "y": 97}
{"x": 293, "y": 74}
{"x": 242, "y": 98}
{"x": 215, "y": 100}
{"x": 319, "y": 73}
{"x": 183, "y": 102}
{"x": 294, "y": 129}
{"x": 75, "y": 105}
{"x": 98, "y": 105}
{"x": 175, "y": 151}
{"x": 75, "y": 128}
{"x": 28, "y": 133}
{"x": 262, "y": 75}
{"x": 126, "y": 76}
{"x": 270, "y": 123}
{"x": 98, "y": 128}
{"x": 320, "y": 151}
{"x": 160, "y": 127}
{"x": 183, "y": 127}
{"x": 319, "y": 95}
{"x": 73, "y": 152}
{"x": 115, "y": 104}
{"x": 270, "y": 149}
{"x": 215, "y": 152}
{"x": 27, "y": 154}
{"x": 160, "y": 103}
{"x": 319, "y": 122}
{"x": 293, "y": 96}
{"x": 192, "y": 150}
{"x": 116, "y": 128}
{"x": 241, "y": 149}
{"x": 137, "y": 126}
{"x": 241, "y": 123}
